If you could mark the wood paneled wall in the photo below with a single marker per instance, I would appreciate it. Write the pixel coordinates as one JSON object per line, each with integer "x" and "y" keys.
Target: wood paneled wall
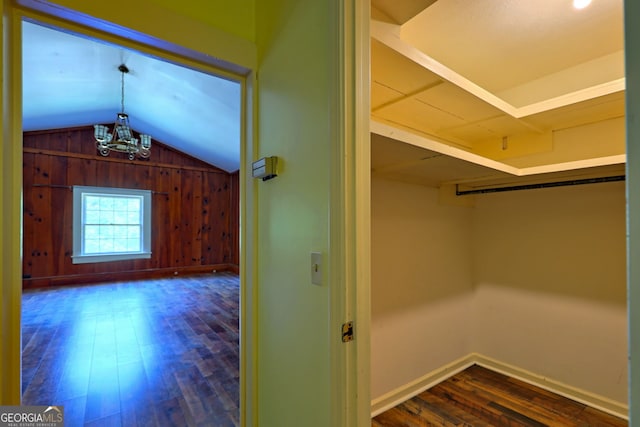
{"x": 195, "y": 209}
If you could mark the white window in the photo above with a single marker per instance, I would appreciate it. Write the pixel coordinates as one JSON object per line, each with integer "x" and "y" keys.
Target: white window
{"x": 110, "y": 224}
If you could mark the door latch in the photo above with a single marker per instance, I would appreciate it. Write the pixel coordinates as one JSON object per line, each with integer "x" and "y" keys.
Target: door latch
{"x": 347, "y": 332}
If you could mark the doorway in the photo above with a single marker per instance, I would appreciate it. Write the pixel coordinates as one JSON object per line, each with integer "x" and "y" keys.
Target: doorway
{"x": 34, "y": 121}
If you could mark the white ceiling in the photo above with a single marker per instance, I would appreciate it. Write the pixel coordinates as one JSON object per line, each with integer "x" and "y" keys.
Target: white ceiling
{"x": 529, "y": 39}
{"x": 516, "y": 86}
{"x": 70, "y": 80}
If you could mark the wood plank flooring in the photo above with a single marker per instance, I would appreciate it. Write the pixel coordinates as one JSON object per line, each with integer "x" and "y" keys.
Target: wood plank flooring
{"x": 160, "y": 352}
{"x": 479, "y": 397}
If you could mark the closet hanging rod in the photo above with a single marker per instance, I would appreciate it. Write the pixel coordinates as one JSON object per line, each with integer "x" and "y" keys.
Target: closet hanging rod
{"x": 540, "y": 185}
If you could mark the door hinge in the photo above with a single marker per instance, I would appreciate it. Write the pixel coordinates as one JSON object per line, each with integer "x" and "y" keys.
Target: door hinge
{"x": 347, "y": 332}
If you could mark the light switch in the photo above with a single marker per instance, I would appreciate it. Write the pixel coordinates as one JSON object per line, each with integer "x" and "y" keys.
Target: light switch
{"x": 316, "y": 268}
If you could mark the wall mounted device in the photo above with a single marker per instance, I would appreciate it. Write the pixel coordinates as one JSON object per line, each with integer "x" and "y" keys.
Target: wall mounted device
{"x": 265, "y": 168}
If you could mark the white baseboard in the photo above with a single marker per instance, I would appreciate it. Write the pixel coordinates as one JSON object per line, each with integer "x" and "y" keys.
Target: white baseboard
{"x": 593, "y": 400}
{"x": 412, "y": 389}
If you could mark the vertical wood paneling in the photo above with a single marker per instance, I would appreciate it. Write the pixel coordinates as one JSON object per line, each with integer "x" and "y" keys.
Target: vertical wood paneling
{"x": 59, "y": 142}
{"x": 186, "y": 218}
{"x": 162, "y": 225}
{"x": 40, "y": 213}
{"x": 226, "y": 234}
{"x": 205, "y": 228}
{"x": 234, "y": 218}
{"x": 175, "y": 213}
{"x": 224, "y": 197}
{"x": 219, "y": 207}
{"x": 81, "y": 140}
{"x": 196, "y": 217}
{"x": 61, "y": 236}
{"x": 191, "y": 224}
{"x": 29, "y": 219}
{"x": 82, "y": 172}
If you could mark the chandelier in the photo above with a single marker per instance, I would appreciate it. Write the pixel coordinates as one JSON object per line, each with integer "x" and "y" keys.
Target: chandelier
{"x": 121, "y": 139}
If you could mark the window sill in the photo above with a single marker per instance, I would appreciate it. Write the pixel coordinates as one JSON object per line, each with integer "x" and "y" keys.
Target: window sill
{"x": 86, "y": 259}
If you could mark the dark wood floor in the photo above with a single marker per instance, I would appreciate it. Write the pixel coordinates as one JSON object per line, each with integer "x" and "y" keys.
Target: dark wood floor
{"x": 144, "y": 353}
{"x": 480, "y": 397}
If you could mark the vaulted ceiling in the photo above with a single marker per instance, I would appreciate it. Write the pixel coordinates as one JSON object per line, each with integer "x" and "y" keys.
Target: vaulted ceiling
{"x": 69, "y": 80}
{"x": 516, "y": 87}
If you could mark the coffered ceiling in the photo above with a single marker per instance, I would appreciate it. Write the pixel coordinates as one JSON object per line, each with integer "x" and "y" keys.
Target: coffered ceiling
{"x": 516, "y": 86}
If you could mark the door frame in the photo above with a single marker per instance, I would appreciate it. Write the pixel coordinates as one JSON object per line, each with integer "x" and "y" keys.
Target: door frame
{"x": 11, "y": 248}
{"x": 350, "y": 219}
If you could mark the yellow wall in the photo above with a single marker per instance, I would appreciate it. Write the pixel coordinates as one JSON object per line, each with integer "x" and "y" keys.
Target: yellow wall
{"x": 421, "y": 283}
{"x": 197, "y": 26}
{"x": 233, "y": 17}
{"x": 534, "y": 279}
{"x": 10, "y": 223}
{"x": 294, "y": 82}
{"x": 550, "y": 284}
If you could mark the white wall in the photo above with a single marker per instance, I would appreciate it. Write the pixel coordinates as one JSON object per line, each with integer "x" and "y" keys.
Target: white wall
{"x": 535, "y": 279}
{"x": 550, "y": 274}
{"x": 421, "y": 283}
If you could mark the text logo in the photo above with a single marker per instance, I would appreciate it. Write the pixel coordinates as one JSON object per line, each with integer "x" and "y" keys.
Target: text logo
{"x": 31, "y": 416}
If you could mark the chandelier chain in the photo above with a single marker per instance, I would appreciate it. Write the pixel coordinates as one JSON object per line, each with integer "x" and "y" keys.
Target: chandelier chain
{"x": 122, "y": 91}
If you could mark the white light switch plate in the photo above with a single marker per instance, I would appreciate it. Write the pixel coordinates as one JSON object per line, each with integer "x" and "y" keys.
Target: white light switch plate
{"x": 316, "y": 268}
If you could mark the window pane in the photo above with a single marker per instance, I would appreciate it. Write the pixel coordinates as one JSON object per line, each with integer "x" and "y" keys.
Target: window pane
{"x": 106, "y": 203}
{"x": 120, "y": 232}
{"x": 92, "y": 217}
{"x": 120, "y": 203}
{"x": 92, "y": 203}
{"x": 120, "y": 245}
{"x": 91, "y": 232}
{"x": 105, "y": 217}
{"x": 133, "y": 232}
{"x": 133, "y": 245}
{"x": 120, "y": 217}
{"x": 134, "y": 204}
{"x": 92, "y": 246}
{"x": 106, "y": 245}
{"x": 133, "y": 218}
{"x": 112, "y": 221}
{"x": 106, "y": 232}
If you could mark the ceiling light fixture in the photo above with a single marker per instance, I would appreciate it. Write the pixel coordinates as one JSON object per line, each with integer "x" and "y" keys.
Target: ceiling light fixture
{"x": 124, "y": 141}
{"x": 581, "y": 4}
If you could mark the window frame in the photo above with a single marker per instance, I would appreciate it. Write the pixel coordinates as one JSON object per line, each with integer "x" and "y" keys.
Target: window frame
{"x": 79, "y": 192}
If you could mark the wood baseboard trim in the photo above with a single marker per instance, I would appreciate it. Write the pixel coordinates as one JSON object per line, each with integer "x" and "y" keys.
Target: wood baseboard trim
{"x": 86, "y": 279}
{"x": 593, "y": 400}
{"x": 412, "y": 389}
